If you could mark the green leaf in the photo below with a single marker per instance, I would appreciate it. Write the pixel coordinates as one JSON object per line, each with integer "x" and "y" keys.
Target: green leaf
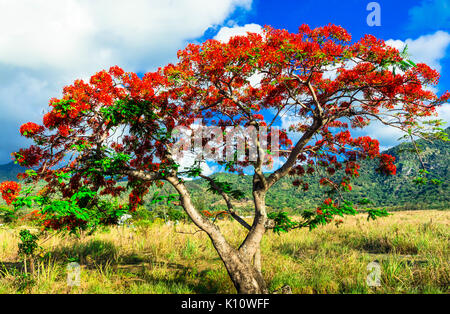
{"x": 375, "y": 213}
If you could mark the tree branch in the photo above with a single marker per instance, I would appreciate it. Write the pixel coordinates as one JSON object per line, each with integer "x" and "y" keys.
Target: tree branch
{"x": 228, "y": 202}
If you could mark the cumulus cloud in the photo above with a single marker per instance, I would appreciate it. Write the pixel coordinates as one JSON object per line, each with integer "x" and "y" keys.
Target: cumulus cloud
{"x": 444, "y": 113}
{"x": 84, "y": 34}
{"x": 225, "y": 33}
{"x": 46, "y": 44}
{"x": 189, "y": 159}
{"x": 429, "y": 49}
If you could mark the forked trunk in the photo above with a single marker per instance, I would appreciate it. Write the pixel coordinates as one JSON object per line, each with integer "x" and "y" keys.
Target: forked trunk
{"x": 245, "y": 277}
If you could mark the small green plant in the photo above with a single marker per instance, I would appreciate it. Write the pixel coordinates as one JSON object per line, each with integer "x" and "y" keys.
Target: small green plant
{"x": 7, "y": 215}
{"x": 27, "y": 247}
{"x": 189, "y": 249}
{"x": 176, "y": 215}
{"x": 23, "y": 281}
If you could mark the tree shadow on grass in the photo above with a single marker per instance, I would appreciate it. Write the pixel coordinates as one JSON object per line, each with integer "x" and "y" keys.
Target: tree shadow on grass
{"x": 89, "y": 253}
{"x": 379, "y": 245}
{"x": 383, "y": 245}
{"x": 97, "y": 252}
{"x": 189, "y": 280}
{"x": 11, "y": 268}
{"x": 297, "y": 251}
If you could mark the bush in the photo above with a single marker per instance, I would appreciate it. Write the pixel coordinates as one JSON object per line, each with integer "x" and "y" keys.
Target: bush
{"x": 164, "y": 212}
{"x": 176, "y": 215}
{"x": 7, "y": 215}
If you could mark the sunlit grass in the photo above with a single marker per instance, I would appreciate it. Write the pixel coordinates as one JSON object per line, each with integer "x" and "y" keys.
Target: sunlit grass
{"x": 412, "y": 249}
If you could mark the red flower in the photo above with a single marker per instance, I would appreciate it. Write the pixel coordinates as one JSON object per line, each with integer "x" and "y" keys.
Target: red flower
{"x": 29, "y": 157}
{"x": 206, "y": 213}
{"x": 116, "y": 71}
{"x": 10, "y": 190}
{"x": 50, "y": 119}
{"x": 387, "y": 165}
{"x": 29, "y": 129}
{"x": 64, "y": 130}
{"x": 346, "y": 186}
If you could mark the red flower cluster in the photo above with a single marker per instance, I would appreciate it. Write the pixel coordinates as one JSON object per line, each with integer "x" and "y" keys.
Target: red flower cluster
{"x": 370, "y": 146}
{"x": 206, "y": 213}
{"x": 64, "y": 130}
{"x": 352, "y": 169}
{"x": 346, "y": 186}
{"x": 35, "y": 216}
{"x": 29, "y": 157}
{"x": 136, "y": 198}
{"x": 68, "y": 222}
{"x": 10, "y": 190}
{"x": 387, "y": 165}
{"x": 30, "y": 129}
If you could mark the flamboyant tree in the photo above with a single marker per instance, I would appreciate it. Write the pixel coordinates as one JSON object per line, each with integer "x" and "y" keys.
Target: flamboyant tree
{"x": 120, "y": 126}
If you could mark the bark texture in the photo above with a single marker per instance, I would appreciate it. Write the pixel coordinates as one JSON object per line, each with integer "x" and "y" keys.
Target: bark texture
{"x": 239, "y": 263}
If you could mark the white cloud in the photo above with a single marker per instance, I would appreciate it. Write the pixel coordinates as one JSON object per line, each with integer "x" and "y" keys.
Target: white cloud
{"x": 255, "y": 79}
{"x": 387, "y": 136}
{"x": 189, "y": 159}
{"x": 429, "y": 49}
{"x": 225, "y": 33}
{"x": 444, "y": 113}
{"x": 46, "y": 44}
{"x": 85, "y": 34}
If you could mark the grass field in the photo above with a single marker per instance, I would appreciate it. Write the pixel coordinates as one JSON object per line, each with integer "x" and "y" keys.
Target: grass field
{"x": 411, "y": 247}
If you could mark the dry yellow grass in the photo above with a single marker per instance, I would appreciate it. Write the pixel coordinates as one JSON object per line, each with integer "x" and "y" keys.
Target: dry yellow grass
{"x": 411, "y": 247}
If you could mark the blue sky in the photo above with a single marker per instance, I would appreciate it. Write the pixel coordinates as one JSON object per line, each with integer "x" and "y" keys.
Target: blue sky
{"x": 46, "y": 44}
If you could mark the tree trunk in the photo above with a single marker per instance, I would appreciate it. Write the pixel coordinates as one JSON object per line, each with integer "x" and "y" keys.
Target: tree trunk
{"x": 257, "y": 260}
{"x": 32, "y": 265}
{"x": 246, "y": 278}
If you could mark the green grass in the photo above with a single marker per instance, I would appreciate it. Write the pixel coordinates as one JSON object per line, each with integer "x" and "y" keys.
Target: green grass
{"x": 411, "y": 247}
